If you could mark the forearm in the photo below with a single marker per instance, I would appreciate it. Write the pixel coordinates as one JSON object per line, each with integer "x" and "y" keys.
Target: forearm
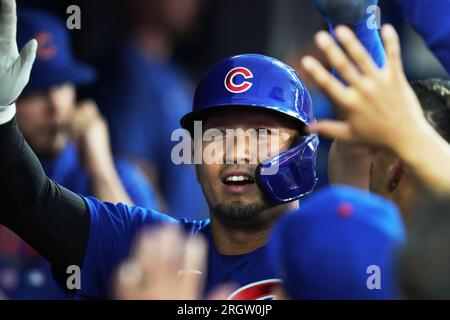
{"x": 428, "y": 156}
{"x": 52, "y": 219}
{"x": 349, "y": 164}
{"x": 107, "y": 186}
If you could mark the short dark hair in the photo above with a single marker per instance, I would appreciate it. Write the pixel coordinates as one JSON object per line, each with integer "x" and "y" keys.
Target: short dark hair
{"x": 434, "y": 96}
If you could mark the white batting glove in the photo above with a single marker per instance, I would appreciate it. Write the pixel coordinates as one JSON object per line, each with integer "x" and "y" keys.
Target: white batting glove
{"x": 15, "y": 68}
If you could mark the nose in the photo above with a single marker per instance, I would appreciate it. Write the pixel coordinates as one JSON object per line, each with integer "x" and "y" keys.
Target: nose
{"x": 241, "y": 147}
{"x": 53, "y": 101}
{"x": 60, "y": 98}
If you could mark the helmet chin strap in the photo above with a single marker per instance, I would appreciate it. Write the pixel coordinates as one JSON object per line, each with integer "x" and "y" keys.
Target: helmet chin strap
{"x": 290, "y": 175}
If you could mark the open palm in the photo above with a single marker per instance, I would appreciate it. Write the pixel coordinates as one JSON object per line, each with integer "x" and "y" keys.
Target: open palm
{"x": 15, "y": 68}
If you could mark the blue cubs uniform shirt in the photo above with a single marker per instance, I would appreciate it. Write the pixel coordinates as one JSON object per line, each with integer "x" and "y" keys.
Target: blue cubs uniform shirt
{"x": 113, "y": 229}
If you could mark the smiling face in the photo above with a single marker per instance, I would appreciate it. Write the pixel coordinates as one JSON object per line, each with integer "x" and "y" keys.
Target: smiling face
{"x": 44, "y": 118}
{"x": 229, "y": 184}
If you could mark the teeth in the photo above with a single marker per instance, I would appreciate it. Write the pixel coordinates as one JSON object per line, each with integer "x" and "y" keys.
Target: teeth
{"x": 237, "y": 178}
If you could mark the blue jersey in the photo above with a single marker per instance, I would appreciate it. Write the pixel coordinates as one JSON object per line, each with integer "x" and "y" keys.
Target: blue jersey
{"x": 113, "y": 229}
{"x": 26, "y": 275}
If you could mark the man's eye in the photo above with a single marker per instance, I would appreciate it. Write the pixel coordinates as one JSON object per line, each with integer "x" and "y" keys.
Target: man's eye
{"x": 222, "y": 131}
{"x": 262, "y": 132}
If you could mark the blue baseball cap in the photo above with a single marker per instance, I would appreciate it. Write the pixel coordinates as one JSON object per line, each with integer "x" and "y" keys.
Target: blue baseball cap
{"x": 341, "y": 244}
{"x": 55, "y": 64}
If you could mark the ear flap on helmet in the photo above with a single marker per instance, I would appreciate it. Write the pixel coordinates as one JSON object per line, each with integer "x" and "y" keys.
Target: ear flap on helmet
{"x": 290, "y": 175}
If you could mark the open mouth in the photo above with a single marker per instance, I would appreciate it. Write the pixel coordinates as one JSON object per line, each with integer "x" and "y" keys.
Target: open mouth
{"x": 238, "y": 179}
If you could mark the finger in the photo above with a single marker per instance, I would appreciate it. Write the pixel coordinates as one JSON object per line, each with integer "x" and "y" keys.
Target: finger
{"x": 169, "y": 256}
{"x": 146, "y": 250}
{"x": 356, "y": 51}
{"x": 332, "y": 129}
{"x": 337, "y": 58}
{"x": 194, "y": 267}
{"x": 393, "y": 50}
{"x": 89, "y": 104}
{"x": 128, "y": 281}
{"x": 26, "y": 58}
{"x": 158, "y": 255}
{"x": 8, "y": 21}
{"x": 332, "y": 87}
{"x": 90, "y": 110}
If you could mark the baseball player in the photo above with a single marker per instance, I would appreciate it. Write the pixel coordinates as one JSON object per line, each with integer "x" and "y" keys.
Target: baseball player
{"x": 240, "y": 93}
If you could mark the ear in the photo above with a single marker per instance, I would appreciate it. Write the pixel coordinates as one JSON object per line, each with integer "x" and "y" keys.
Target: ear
{"x": 396, "y": 171}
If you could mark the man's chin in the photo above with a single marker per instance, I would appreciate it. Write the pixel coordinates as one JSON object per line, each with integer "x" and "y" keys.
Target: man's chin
{"x": 51, "y": 148}
{"x": 238, "y": 214}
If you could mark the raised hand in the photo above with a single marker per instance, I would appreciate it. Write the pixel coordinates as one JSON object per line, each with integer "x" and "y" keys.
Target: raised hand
{"x": 15, "y": 68}
{"x": 165, "y": 265}
{"x": 380, "y": 107}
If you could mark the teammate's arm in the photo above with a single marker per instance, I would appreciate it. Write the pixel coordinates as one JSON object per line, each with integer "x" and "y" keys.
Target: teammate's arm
{"x": 90, "y": 132}
{"x": 350, "y": 164}
{"x": 52, "y": 219}
{"x": 380, "y": 107}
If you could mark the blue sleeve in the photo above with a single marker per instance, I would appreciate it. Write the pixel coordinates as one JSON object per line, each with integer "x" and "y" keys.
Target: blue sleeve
{"x": 430, "y": 19}
{"x": 113, "y": 228}
{"x": 367, "y": 34}
{"x": 136, "y": 184}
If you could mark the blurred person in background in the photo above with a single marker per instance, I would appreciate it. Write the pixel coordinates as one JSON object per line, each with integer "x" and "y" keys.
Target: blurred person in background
{"x": 144, "y": 94}
{"x": 72, "y": 144}
{"x": 425, "y": 259}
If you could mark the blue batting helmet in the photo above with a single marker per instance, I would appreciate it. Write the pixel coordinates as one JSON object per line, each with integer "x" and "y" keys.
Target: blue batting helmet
{"x": 261, "y": 82}
{"x": 55, "y": 63}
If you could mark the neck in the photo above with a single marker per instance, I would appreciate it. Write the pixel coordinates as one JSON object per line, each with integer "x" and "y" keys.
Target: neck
{"x": 154, "y": 43}
{"x": 235, "y": 241}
